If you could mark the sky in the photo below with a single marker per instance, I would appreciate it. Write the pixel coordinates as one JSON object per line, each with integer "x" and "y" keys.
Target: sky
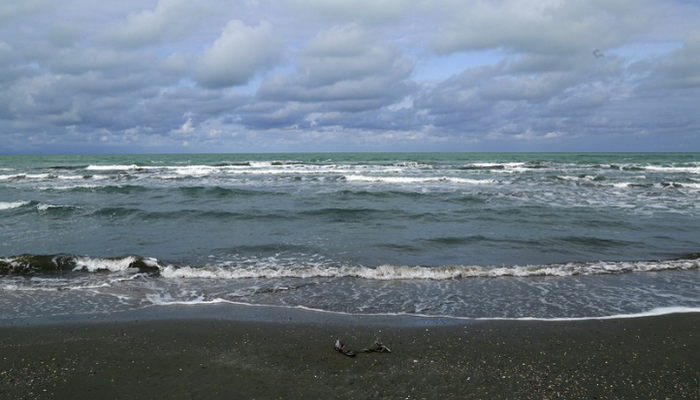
{"x": 152, "y": 76}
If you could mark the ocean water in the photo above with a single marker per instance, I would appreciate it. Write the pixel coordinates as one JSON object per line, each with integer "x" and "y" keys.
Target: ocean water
{"x": 545, "y": 236}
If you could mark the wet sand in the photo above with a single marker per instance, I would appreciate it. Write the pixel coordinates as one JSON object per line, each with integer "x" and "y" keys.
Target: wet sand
{"x": 290, "y": 355}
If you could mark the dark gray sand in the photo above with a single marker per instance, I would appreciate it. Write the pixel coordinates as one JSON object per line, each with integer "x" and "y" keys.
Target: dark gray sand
{"x": 240, "y": 358}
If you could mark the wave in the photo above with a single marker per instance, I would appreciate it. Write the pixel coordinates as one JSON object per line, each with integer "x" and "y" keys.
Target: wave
{"x": 218, "y": 192}
{"x": 23, "y": 176}
{"x": 393, "y": 173}
{"x": 10, "y": 205}
{"x": 108, "y": 189}
{"x": 32, "y": 265}
{"x": 188, "y": 214}
{"x": 159, "y": 300}
{"x": 68, "y": 167}
{"x": 28, "y": 206}
{"x": 581, "y": 178}
{"x": 130, "y": 167}
{"x": 29, "y": 265}
{"x": 55, "y": 208}
{"x": 267, "y": 167}
{"x": 655, "y": 312}
{"x": 412, "y": 180}
{"x": 391, "y": 272}
{"x": 378, "y": 194}
{"x": 692, "y": 169}
{"x": 484, "y": 167}
{"x": 342, "y": 213}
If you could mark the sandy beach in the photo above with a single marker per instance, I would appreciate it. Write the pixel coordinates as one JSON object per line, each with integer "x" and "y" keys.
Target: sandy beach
{"x": 285, "y": 354}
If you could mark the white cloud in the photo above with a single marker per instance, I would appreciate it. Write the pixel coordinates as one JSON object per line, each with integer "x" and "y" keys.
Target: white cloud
{"x": 187, "y": 128}
{"x": 239, "y": 54}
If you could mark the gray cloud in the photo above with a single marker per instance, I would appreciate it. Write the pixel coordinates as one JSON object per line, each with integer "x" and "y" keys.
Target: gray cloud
{"x": 238, "y": 54}
{"x": 545, "y": 27}
{"x": 679, "y": 70}
{"x": 371, "y": 12}
{"x": 342, "y": 70}
{"x": 10, "y": 10}
{"x": 270, "y": 75}
{"x": 169, "y": 19}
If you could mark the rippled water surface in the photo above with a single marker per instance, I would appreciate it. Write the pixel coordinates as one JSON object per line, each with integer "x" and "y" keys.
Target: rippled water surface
{"x": 462, "y": 235}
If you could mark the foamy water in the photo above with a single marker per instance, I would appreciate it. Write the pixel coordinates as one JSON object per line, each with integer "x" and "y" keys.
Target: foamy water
{"x": 518, "y": 236}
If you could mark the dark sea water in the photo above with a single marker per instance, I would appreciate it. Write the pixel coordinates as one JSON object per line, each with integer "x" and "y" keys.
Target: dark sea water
{"x": 458, "y": 235}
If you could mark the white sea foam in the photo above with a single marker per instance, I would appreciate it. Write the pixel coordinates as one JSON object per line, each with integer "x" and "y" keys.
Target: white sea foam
{"x": 391, "y": 272}
{"x": 694, "y": 186}
{"x": 46, "y": 207}
{"x": 413, "y": 180}
{"x": 168, "y": 300}
{"x": 195, "y": 170}
{"x": 176, "y": 172}
{"x": 54, "y": 285}
{"x": 70, "y": 177}
{"x": 71, "y": 187}
{"x": 113, "y": 167}
{"x": 100, "y": 264}
{"x": 650, "y": 313}
{"x": 620, "y": 185}
{"x": 667, "y": 169}
{"x": 27, "y": 176}
{"x": 165, "y": 299}
{"x": 110, "y": 264}
{"x": 40, "y": 176}
{"x": 12, "y": 204}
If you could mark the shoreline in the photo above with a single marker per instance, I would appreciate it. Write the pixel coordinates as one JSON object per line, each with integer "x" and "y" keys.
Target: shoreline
{"x": 276, "y": 313}
{"x": 236, "y": 312}
{"x": 268, "y": 353}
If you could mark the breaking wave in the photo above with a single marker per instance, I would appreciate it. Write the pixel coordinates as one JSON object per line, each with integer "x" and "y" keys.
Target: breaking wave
{"x": 31, "y": 265}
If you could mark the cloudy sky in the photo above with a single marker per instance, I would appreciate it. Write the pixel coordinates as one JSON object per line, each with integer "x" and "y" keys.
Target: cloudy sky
{"x": 88, "y": 76}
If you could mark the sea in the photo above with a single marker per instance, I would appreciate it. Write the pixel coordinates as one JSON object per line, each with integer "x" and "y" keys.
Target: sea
{"x": 453, "y": 235}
